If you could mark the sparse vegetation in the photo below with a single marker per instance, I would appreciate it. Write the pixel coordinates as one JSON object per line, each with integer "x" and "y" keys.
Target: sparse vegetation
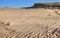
{"x": 46, "y": 5}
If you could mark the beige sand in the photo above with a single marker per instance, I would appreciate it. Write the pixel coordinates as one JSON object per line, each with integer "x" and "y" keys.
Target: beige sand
{"x": 29, "y": 23}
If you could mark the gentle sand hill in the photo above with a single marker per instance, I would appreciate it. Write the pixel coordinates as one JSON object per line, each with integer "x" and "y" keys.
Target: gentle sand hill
{"x": 29, "y": 23}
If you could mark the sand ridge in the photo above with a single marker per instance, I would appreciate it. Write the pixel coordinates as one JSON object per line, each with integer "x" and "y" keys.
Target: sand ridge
{"x": 29, "y": 23}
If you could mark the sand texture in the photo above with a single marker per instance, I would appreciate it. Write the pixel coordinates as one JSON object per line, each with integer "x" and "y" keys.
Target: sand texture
{"x": 29, "y": 23}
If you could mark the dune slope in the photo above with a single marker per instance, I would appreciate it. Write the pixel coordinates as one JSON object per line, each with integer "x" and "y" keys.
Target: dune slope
{"x": 29, "y": 23}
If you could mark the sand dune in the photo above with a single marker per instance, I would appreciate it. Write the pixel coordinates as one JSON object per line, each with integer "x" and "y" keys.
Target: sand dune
{"x": 29, "y": 23}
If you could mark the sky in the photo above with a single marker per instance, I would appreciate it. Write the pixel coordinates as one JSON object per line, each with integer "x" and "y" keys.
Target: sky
{"x": 22, "y": 3}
